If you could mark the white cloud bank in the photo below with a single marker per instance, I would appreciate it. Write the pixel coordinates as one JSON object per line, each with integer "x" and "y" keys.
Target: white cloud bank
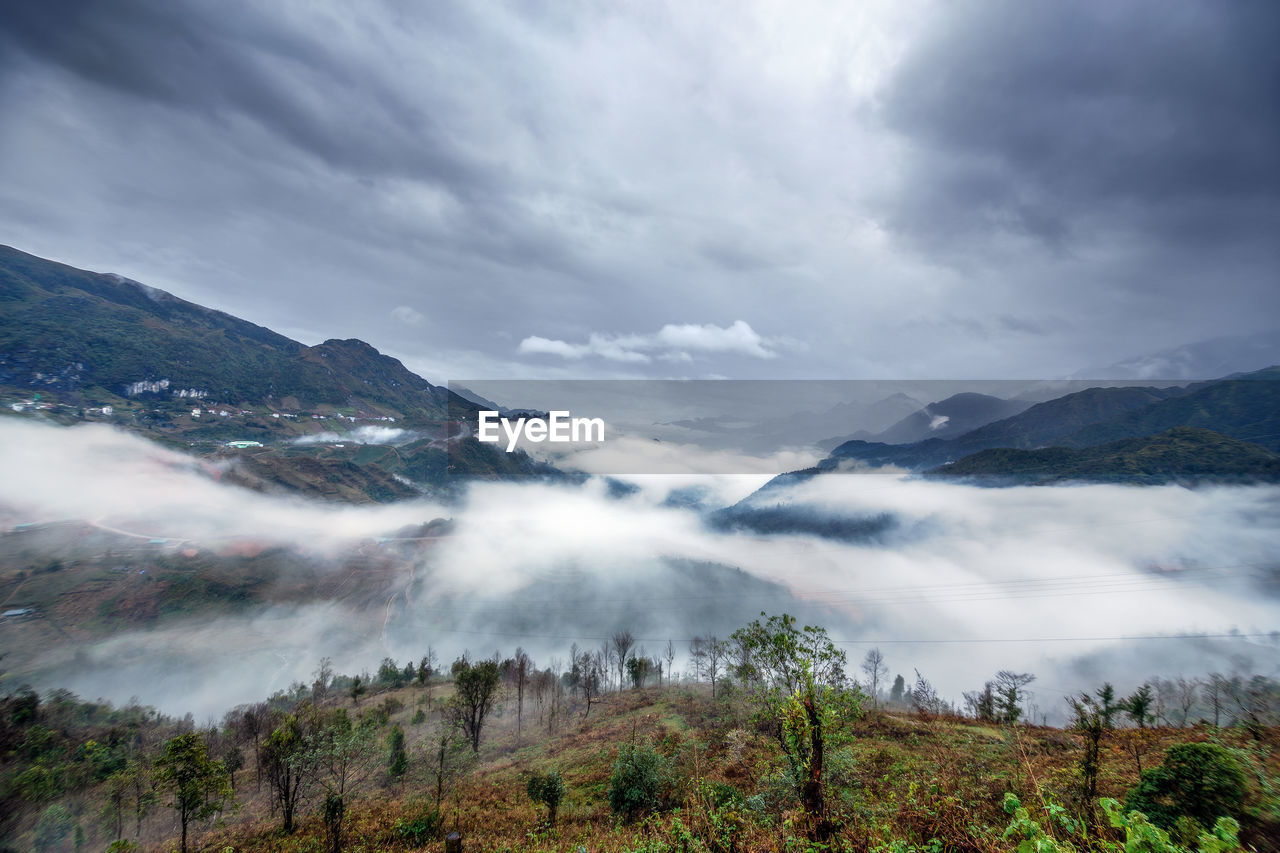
{"x": 673, "y": 342}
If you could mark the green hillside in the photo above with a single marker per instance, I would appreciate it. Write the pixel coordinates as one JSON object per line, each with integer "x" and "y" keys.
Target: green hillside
{"x": 1247, "y": 408}
{"x": 1183, "y": 454}
{"x": 89, "y": 338}
{"x": 1042, "y": 424}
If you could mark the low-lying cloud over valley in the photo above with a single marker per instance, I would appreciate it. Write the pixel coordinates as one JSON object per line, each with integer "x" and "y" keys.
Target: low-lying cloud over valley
{"x": 959, "y": 582}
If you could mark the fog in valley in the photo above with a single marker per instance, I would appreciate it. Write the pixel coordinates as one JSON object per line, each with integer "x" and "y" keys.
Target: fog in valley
{"x": 1076, "y": 584}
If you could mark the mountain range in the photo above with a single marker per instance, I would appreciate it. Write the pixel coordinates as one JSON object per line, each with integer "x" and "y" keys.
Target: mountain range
{"x": 78, "y": 345}
{"x": 1235, "y": 422}
{"x": 84, "y": 346}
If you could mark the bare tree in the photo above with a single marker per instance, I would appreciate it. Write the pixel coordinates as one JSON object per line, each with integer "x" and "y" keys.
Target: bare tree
{"x": 448, "y": 755}
{"x": 575, "y": 673}
{"x": 252, "y": 722}
{"x": 606, "y": 661}
{"x": 623, "y": 642}
{"x": 519, "y": 676}
{"x": 593, "y": 668}
{"x": 1215, "y": 693}
{"x": 323, "y": 677}
{"x": 425, "y": 669}
{"x": 924, "y": 698}
{"x": 557, "y": 694}
{"x": 698, "y": 656}
{"x": 709, "y": 656}
{"x": 671, "y": 657}
{"x": 873, "y": 665}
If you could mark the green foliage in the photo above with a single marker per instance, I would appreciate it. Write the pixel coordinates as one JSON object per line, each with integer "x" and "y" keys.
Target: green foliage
{"x": 474, "y": 688}
{"x": 421, "y": 827}
{"x": 1092, "y": 718}
{"x": 121, "y": 845}
{"x": 390, "y": 674}
{"x": 398, "y": 759}
{"x": 779, "y": 654}
{"x": 1200, "y": 781}
{"x": 197, "y": 785}
{"x": 797, "y": 678}
{"x": 1181, "y": 454}
{"x": 55, "y": 826}
{"x": 1138, "y": 706}
{"x": 112, "y": 333}
{"x": 548, "y": 790}
{"x": 23, "y": 707}
{"x": 639, "y": 780}
{"x": 1139, "y": 834}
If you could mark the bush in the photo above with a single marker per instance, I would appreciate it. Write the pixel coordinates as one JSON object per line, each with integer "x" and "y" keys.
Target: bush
{"x": 419, "y": 829}
{"x": 1200, "y": 781}
{"x": 548, "y": 790}
{"x": 638, "y": 782}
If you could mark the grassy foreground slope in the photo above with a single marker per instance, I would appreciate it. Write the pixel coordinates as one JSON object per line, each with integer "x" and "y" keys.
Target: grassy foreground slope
{"x": 899, "y": 781}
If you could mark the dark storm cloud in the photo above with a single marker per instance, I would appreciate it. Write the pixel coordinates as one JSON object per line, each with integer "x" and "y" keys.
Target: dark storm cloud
{"x": 225, "y": 59}
{"x": 314, "y": 89}
{"x": 915, "y": 190}
{"x": 1057, "y": 121}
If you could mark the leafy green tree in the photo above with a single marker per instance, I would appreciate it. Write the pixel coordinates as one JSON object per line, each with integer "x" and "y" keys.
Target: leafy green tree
{"x": 899, "y": 690}
{"x": 389, "y": 673}
{"x": 55, "y": 826}
{"x": 397, "y": 759}
{"x": 233, "y": 760}
{"x": 1138, "y": 706}
{"x": 284, "y": 765}
{"x": 638, "y": 781}
{"x": 639, "y": 669}
{"x": 1010, "y": 690}
{"x": 797, "y": 679}
{"x": 548, "y": 790}
{"x": 475, "y": 688}
{"x": 198, "y": 785}
{"x": 1200, "y": 781}
{"x": 139, "y": 778}
{"x": 340, "y": 756}
{"x": 982, "y": 703}
{"x": 1092, "y": 719}
{"x": 1107, "y": 704}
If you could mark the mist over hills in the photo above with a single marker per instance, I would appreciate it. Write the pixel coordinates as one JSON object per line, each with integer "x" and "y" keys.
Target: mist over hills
{"x": 1245, "y": 408}
{"x": 81, "y": 346}
{"x": 169, "y": 544}
{"x": 1221, "y": 356}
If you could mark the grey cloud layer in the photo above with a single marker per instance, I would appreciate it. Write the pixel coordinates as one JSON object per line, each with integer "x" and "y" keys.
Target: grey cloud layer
{"x": 919, "y": 190}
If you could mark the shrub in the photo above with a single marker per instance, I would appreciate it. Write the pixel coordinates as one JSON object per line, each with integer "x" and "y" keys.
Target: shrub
{"x": 548, "y": 790}
{"x": 1200, "y": 781}
{"x": 638, "y": 781}
{"x": 420, "y": 828}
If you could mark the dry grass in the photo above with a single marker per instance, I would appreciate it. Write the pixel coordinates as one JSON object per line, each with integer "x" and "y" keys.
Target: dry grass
{"x": 901, "y": 779}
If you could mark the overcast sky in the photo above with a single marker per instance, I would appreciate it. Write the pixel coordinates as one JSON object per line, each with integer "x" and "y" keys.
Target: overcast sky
{"x": 544, "y": 189}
